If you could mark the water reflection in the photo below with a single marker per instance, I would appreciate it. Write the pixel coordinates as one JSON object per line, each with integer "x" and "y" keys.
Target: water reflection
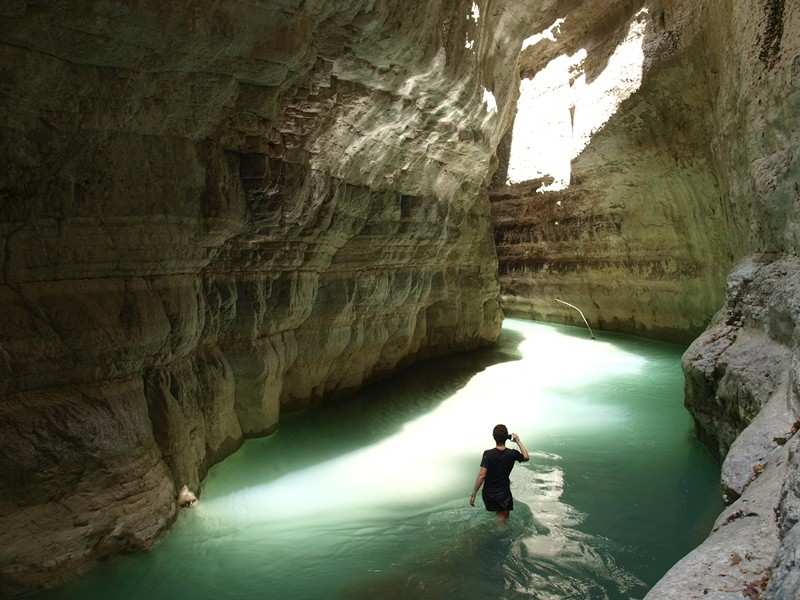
{"x": 540, "y": 554}
{"x": 424, "y": 459}
{"x": 368, "y": 498}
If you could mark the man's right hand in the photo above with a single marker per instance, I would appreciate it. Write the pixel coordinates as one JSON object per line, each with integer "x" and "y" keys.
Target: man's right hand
{"x": 525, "y": 455}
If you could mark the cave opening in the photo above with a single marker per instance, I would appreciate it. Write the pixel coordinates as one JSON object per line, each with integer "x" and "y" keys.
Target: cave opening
{"x": 559, "y": 109}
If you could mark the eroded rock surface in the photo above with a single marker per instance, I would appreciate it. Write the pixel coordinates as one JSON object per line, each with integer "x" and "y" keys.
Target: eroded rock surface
{"x": 695, "y": 171}
{"x": 742, "y": 388}
{"x": 211, "y": 212}
{"x": 698, "y": 171}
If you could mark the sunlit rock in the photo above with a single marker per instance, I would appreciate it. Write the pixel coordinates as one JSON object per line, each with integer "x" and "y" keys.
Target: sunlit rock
{"x": 696, "y": 171}
{"x": 186, "y": 498}
{"x": 213, "y": 213}
{"x": 210, "y": 214}
{"x": 673, "y": 189}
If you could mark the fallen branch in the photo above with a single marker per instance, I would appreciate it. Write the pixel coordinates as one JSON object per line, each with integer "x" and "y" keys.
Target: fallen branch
{"x": 580, "y": 312}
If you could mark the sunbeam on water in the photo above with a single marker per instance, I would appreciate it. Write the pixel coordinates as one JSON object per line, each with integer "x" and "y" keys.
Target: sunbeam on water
{"x": 422, "y": 459}
{"x": 366, "y": 498}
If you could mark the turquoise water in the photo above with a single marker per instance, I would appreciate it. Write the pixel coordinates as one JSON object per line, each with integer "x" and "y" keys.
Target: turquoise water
{"x": 367, "y": 498}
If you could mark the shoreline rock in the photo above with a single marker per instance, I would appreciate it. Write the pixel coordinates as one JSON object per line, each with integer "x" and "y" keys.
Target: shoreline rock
{"x": 742, "y": 389}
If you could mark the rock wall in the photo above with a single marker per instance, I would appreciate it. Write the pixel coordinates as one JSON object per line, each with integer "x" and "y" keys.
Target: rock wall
{"x": 742, "y": 388}
{"x": 212, "y": 212}
{"x": 697, "y": 172}
{"x": 742, "y": 373}
{"x": 642, "y": 238}
{"x": 694, "y": 172}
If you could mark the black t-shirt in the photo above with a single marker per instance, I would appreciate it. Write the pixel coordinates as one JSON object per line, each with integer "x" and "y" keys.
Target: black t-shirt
{"x": 498, "y": 465}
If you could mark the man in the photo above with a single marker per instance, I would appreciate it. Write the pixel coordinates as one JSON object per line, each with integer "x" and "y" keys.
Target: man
{"x": 495, "y": 468}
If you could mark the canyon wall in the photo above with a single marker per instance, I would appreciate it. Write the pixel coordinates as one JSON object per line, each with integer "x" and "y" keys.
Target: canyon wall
{"x": 212, "y": 212}
{"x": 694, "y": 181}
{"x": 694, "y": 171}
{"x": 742, "y": 373}
{"x": 641, "y": 239}
{"x": 742, "y": 388}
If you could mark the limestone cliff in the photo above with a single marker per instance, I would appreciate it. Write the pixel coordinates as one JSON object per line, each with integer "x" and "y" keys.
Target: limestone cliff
{"x": 742, "y": 388}
{"x": 696, "y": 172}
{"x": 211, "y": 212}
{"x": 741, "y": 374}
{"x": 641, "y": 239}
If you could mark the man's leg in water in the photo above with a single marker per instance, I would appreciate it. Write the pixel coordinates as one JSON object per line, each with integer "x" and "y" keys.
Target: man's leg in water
{"x": 502, "y": 516}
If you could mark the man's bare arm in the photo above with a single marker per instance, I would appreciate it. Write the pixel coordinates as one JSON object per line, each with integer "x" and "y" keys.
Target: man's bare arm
{"x": 523, "y": 450}
{"x": 478, "y": 483}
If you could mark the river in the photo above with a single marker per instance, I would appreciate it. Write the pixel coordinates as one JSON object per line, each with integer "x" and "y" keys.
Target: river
{"x": 366, "y": 497}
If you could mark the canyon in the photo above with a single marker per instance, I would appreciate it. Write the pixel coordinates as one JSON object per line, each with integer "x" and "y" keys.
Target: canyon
{"x": 214, "y": 213}
{"x": 685, "y": 200}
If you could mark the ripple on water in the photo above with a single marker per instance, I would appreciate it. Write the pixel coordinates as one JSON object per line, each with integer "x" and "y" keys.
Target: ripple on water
{"x": 367, "y": 498}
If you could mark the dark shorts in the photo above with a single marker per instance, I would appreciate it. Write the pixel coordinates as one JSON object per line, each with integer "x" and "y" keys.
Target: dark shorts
{"x": 498, "y": 500}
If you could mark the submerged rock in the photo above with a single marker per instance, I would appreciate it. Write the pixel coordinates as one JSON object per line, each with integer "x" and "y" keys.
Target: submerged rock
{"x": 186, "y": 497}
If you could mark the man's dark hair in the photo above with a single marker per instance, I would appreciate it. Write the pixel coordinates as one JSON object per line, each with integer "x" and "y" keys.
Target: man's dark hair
{"x": 500, "y": 434}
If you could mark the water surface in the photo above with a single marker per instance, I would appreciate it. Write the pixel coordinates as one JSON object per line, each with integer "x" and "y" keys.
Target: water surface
{"x": 367, "y": 498}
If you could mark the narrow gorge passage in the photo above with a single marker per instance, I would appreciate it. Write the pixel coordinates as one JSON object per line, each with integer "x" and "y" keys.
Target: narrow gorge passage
{"x": 367, "y": 498}
{"x": 269, "y": 231}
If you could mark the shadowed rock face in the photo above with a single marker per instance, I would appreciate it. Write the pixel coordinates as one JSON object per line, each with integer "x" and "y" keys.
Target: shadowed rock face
{"x": 742, "y": 388}
{"x": 742, "y": 373}
{"x": 213, "y": 212}
{"x": 698, "y": 171}
{"x": 694, "y": 172}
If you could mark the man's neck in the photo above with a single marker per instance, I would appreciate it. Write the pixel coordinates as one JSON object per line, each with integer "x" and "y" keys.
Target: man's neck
{"x": 500, "y": 447}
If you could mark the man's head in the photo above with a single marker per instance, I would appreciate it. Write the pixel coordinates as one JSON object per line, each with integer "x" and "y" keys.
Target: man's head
{"x": 500, "y": 434}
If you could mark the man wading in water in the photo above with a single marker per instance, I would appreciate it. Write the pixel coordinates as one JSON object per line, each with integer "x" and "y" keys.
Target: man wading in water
{"x": 496, "y": 466}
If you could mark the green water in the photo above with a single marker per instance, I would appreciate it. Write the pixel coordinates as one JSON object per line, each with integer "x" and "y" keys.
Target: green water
{"x": 367, "y": 498}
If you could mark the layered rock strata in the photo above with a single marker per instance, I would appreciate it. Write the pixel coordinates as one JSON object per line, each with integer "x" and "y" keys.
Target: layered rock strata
{"x": 212, "y": 212}
{"x": 696, "y": 172}
{"x": 642, "y": 238}
{"x": 742, "y": 373}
